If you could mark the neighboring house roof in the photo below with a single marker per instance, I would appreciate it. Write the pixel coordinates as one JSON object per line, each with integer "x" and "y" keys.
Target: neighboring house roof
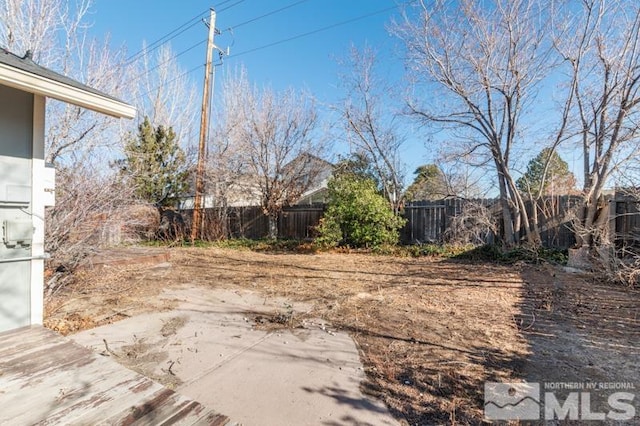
{"x": 244, "y": 191}
{"x": 314, "y": 196}
{"x": 24, "y": 74}
{"x": 307, "y": 158}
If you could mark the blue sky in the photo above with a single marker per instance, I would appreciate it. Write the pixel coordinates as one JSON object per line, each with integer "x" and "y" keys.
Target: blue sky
{"x": 309, "y": 62}
{"x": 305, "y": 61}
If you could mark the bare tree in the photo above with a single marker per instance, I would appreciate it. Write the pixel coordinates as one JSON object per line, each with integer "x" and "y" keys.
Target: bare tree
{"x": 281, "y": 149}
{"x": 56, "y": 37}
{"x": 36, "y": 26}
{"x": 462, "y": 181}
{"x": 602, "y": 59}
{"x": 85, "y": 214}
{"x": 92, "y": 210}
{"x": 482, "y": 62}
{"x": 475, "y": 224}
{"x": 369, "y": 122}
{"x": 227, "y": 161}
{"x": 73, "y": 133}
{"x": 163, "y": 94}
{"x": 280, "y": 152}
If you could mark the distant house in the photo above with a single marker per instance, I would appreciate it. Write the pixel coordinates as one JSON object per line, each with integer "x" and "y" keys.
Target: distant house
{"x": 26, "y": 186}
{"x": 245, "y": 190}
{"x": 242, "y": 192}
{"x": 316, "y": 183}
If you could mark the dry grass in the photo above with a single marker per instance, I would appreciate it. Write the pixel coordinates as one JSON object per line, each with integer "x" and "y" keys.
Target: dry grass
{"x": 430, "y": 331}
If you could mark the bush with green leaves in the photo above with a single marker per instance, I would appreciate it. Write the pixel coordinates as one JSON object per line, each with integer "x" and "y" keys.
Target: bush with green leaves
{"x": 357, "y": 215}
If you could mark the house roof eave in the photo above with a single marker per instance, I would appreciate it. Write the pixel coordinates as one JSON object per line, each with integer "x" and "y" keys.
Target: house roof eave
{"x": 23, "y": 74}
{"x": 38, "y": 85}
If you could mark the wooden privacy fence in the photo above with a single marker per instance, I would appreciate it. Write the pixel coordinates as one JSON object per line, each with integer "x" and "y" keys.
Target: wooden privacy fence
{"x": 555, "y": 216}
{"x": 432, "y": 221}
{"x": 295, "y": 222}
{"x": 627, "y": 218}
{"x": 300, "y": 222}
{"x": 426, "y": 221}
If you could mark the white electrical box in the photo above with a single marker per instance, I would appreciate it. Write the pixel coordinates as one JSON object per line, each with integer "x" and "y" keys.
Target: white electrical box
{"x": 49, "y": 186}
{"x": 17, "y": 232}
{"x": 18, "y": 193}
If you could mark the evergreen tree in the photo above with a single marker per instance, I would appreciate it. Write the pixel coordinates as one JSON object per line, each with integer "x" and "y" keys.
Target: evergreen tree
{"x": 558, "y": 180}
{"x": 155, "y": 164}
{"x": 357, "y": 165}
{"x": 429, "y": 184}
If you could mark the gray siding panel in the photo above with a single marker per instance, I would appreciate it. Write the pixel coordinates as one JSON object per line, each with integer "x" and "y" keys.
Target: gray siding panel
{"x": 16, "y": 135}
{"x": 16, "y": 123}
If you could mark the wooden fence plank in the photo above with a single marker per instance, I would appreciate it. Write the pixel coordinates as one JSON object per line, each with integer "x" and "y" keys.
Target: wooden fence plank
{"x": 428, "y": 221}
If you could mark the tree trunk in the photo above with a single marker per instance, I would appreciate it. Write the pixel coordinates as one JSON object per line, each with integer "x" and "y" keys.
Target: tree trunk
{"x": 273, "y": 226}
{"x": 528, "y": 223}
{"x": 514, "y": 211}
{"x": 507, "y": 219}
{"x": 535, "y": 221}
{"x": 595, "y": 214}
{"x": 594, "y": 228}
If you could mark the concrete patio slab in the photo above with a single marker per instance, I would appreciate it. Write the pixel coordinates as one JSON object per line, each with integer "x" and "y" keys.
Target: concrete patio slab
{"x": 208, "y": 349}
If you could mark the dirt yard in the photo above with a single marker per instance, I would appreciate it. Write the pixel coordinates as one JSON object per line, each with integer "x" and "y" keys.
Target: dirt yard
{"x": 430, "y": 331}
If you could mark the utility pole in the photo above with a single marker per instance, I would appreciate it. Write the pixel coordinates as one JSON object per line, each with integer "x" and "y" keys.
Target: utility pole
{"x": 198, "y": 207}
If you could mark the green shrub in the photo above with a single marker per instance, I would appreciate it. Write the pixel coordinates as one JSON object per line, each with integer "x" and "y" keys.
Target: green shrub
{"x": 494, "y": 253}
{"x": 439, "y": 250}
{"x": 357, "y": 215}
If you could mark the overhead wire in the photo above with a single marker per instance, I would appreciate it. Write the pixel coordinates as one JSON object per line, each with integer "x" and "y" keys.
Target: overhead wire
{"x": 225, "y": 2}
{"x": 172, "y": 58}
{"x": 176, "y": 32}
{"x": 184, "y": 74}
{"x": 167, "y": 37}
{"x": 171, "y": 35}
{"x": 268, "y": 45}
{"x": 137, "y": 77}
{"x": 273, "y": 12}
{"x": 229, "y": 7}
{"x": 316, "y": 31}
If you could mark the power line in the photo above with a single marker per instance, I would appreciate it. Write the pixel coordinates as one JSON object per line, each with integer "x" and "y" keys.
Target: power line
{"x": 273, "y": 12}
{"x": 328, "y": 27}
{"x": 164, "y": 39}
{"x": 174, "y": 57}
{"x": 167, "y": 37}
{"x": 225, "y": 2}
{"x": 229, "y": 7}
{"x": 176, "y": 32}
{"x": 184, "y": 74}
{"x": 306, "y": 34}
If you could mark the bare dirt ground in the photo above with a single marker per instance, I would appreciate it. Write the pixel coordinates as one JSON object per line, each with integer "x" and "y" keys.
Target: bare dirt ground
{"x": 430, "y": 331}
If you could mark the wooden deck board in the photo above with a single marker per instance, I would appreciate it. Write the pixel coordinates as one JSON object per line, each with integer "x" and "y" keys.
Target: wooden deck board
{"x": 16, "y": 344}
{"x": 46, "y": 379}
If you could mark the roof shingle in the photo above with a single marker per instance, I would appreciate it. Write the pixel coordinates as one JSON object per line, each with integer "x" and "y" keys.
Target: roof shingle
{"x": 28, "y": 65}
